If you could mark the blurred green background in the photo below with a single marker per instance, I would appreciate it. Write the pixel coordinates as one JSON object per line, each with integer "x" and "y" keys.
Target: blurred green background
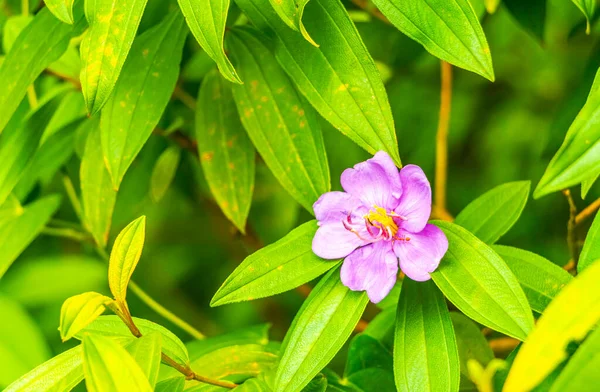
{"x": 499, "y": 132}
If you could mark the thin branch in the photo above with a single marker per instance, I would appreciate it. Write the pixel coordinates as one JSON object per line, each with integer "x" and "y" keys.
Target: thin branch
{"x": 184, "y": 97}
{"x": 571, "y": 236}
{"x": 441, "y": 159}
{"x": 66, "y": 233}
{"x": 587, "y": 212}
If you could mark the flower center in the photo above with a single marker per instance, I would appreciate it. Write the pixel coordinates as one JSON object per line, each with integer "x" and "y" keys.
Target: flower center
{"x": 379, "y": 217}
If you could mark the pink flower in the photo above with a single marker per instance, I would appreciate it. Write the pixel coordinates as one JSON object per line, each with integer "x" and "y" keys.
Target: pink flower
{"x": 380, "y": 219}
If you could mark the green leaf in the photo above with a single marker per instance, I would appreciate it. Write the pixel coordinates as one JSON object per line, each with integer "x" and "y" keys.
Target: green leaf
{"x": 531, "y": 15}
{"x": 141, "y": 94}
{"x": 226, "y": 153}
{"x": 41, "y": 43}
{"x": 491, "y": 5}
{"x": 61, "y": 373}
{"x": 339, "y": 78}
{"x": 449, "y": 30}
{"x": 568, "y": 318}
{"x": 540, "y": 279}
{"x": 582, "y": 369}
{"x": 112, "y": 326}
{"x": 108, "y": 367}
{"x": 587, "y": 184}
{"x": 173, "y": 384}
{"x": 206, "y": 19}
{"x": 62, "y": 9}
{"x": 579, "y": 155}
{"x": 17, "y": 233}
{"x": 291, "y": 11}
{"x": 282, "y": 126}
{"x": 97, "y": 193}
{"x": 475, "y": 279}
{"x": 124, "y": 257}
{"x": 587, "y": 7}
{"x": 105, "y": 47}
{"x": 318, "y": 332}
{"x": 147, "y": 353}
{"x": 22, "y": 345}
{"x": 80, "y": 310}
{"x": 425, "y": 350}
{"x": 12, "y": 28}
{"x": 591, "y": 246}
{"x": 382, "y": 326}
{"x": 471, "y": 345}
{"x": 503, "y": 206}
{"x": 366, "y": 352}
{"x": 164, "y": 172}
{"x": 258, "y": 334}
{"x": 279, "y": 267}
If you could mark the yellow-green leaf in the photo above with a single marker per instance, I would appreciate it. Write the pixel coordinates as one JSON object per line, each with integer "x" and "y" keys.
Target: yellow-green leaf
{"x": 164, "y": 172}
{"x": 80, "y": 310}
{"x": 291, "y": 11}
{"x": 105, "y": 46}
{"x": 146, "y": 352}
{"x": 62, "y": 9}
{"x": 108, "y": 367}
{"x": 206, "y": 19}
{"x": 568, "y": 318}
{"x": 124, "y": 257}
{"x": 591, "y": 246}
{"x": 587, "y": 7}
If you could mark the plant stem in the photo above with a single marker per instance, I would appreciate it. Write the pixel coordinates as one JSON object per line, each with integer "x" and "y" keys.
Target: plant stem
{"x": 32, "y": 97}
{"x": 587, "y": 212}
{"x": 184, "y": 97}
{"x": 571, "y": 237}
{"x": 72, "y": 195}
{"x": 66, "y": 233}
{"x": 441, "y": 160}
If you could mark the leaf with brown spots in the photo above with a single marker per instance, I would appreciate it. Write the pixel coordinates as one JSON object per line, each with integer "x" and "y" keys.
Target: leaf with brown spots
{"x": 141, "y": 94}
{"x": 282, "y": 125}
{"x": 226, "y": 153}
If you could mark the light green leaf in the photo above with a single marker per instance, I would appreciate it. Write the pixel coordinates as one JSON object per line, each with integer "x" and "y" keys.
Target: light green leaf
{"x": 105, "y": 46}
{"x": 540, "y": 279}
{"x": 587, "y": 184}
{"x": 41, "y": 43}
{"x": 471, "y": 345}
{"x": 141, "y": 94}
{"x": 568, "y": 318}
{"x": 12, "y": 28}
{"x": 425, "y": 350}
{"x": 290, "y": 11}
{"x": 146, "y": 351}
{"x": 206, "y": 19}
{"x": 449, "y": 30}
{"x": 173, "y": 384}
{"x": 503, "y": 206}
{"x": 581, "y": 371}
{"x": 591, "y": 246}
{"x": 339, "y": 78}
{"x": 587, "y": 7}
{"x": 318, "y": 332}
{"x": 579, "y": 155}
{"x": 164, "y": 172}
{"x": 70, "y": 110}
{"x": 22, "y": 345}
{"x": 112, "y": 326}
{"x": 62, "y": 9}
{"x": 97, "y": 193}
{"x": 108, "y": 367}
{"x": 59, "y": 374}
{"x": 124, "y": 257}
{"x": 17, "y": 233}
{"x": 279, "y": 267}
{"x": 80, "y": 310}
{"x": 226, "y": 153}
{"x": 257, "y": 334}
{"x": 475, "y": 279}
{"x": 268, "y": 101}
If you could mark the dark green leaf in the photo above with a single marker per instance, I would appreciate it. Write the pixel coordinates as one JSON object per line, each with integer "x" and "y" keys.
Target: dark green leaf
{"x": 425, "y": 350}
{"x": 366, "y": 352}
{"x": 282, "y": 126}
{"x": 503, "y": 206}
{"x": 475, "y": 279}
{"x": 226, "y": 153}
{"x": 587, "y": 7}
{"x": 279, "y": 267}
{"x": 163, "y": 173}
{"x": 531, "y": 15}
{"x": 471, "y": 344}
{"x": 319, "y": 330}
{"x": 449, "y": 30}
{"x": 339, "y": 78}
{"x": 591, "y": 246}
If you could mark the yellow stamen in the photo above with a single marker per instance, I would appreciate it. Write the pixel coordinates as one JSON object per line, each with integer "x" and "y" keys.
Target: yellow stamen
{"x": 380, "y": 215}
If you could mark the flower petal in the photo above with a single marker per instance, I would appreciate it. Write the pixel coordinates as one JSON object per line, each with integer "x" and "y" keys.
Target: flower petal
{"x": 333, "y": 241}
{"x": 421, "y": 255}
{"x": 373, "y": 268}
{"x": 375, "y": 182}
{"x": 336, "y": 206}
{"x": 415, "y": 203}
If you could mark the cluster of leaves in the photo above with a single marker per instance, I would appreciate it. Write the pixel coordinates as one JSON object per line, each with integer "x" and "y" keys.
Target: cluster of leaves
{"x": 107, "y": 71}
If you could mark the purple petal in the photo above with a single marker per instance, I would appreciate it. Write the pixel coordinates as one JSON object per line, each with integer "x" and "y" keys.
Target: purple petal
{"x": 421, "y": 255}
{"x": 373, "y": 268}
{"x": 415, "y": 203}
{"x": 333, "y": 241}
{"x": 376, "y": 182}
{"x": 335, "y": 206}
